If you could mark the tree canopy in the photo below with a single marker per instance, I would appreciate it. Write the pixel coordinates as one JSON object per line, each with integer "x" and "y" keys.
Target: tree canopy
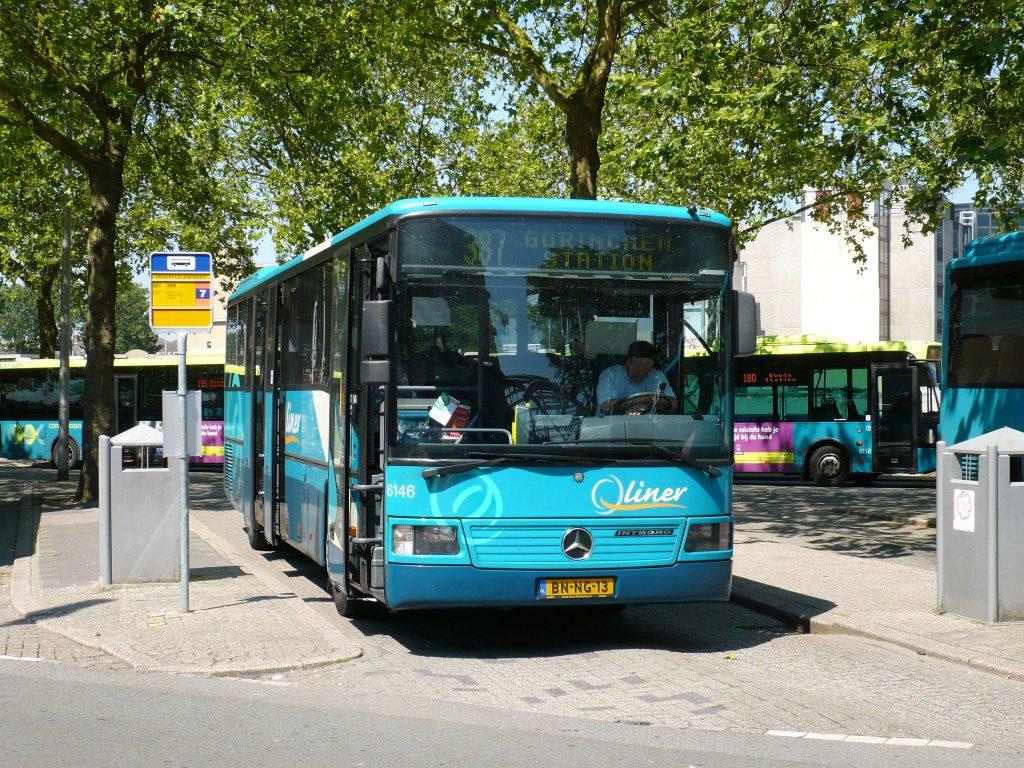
{"x": 203, "y": 126}
{"x": 954, "y": 72}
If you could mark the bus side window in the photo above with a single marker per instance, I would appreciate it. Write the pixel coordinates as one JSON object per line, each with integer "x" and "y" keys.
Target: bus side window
{"x": 857, "y": 402}
{"x": 977, "y": 360}
{"x": 793, "y": 403}
{"x": 829, "y": 400}
{"x": 754, "y": 404}
{"x": 1011, "y": 359}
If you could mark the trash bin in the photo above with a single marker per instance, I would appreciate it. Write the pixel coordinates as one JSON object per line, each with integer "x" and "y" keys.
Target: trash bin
{"x": 980, "y": 526}
{"x": 145, "y": 508}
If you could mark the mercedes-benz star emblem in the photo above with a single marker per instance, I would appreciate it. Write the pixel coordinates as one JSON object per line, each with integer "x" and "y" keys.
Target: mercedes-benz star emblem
{"x": 577, "y": 543}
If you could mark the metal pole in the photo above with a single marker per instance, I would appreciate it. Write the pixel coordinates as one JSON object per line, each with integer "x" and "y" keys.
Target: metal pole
{"x": 182, "y": 394}
{"x": 991, "y": 508}
{"x": 63, "y": 418}
{"x": 106, "y": 569}
{"x": 941, "y": 481}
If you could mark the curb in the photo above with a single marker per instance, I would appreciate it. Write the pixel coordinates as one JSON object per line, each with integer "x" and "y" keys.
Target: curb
{"x": 24, "y": 602}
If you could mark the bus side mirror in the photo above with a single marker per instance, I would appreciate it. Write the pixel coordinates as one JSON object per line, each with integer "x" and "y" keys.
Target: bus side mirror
{"x": 746, "y": 324}
{"x": 374, "y": 342}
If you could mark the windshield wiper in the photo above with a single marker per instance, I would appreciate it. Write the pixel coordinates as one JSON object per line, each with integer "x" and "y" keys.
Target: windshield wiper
{"x": 465, "y": 466}
{"x": 678, "y": 458}
{"x": 483, "y": 459}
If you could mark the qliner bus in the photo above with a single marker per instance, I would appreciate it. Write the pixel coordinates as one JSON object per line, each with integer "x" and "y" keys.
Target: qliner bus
{"x": 983, "y": 333}
{"x": 412, "y": 405}
{"x": 30, "y": 392}
{"x": 832, "y": 411}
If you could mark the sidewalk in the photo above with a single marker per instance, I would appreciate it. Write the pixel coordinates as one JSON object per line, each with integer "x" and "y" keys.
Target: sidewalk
{"x": 243, "y": 617}
{"x": 822, "y": 591}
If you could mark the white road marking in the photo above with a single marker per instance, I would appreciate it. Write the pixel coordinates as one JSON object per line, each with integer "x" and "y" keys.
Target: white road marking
{"x": 892, "y": 741}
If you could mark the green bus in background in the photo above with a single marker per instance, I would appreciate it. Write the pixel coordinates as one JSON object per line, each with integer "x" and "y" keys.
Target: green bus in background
{"x": 829, "y": 411}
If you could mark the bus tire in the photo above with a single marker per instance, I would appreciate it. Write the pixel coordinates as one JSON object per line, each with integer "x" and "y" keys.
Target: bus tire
{"x": 829, "y": 466}
{"x": 257, "y": 539}
{"x": 74, "y": 454}
{"x": 347, "y": 606}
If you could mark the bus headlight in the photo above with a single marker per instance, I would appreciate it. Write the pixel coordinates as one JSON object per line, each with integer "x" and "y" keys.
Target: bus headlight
{"x": 424, "y": 540}
{"x": 709, "y": 537}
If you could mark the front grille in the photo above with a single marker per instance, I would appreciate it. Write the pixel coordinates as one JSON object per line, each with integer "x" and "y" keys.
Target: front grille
{"x": 531, "y": 544}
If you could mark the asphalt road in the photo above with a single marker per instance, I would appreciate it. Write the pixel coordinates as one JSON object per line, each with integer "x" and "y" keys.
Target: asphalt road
{"x": 54, "y": 716}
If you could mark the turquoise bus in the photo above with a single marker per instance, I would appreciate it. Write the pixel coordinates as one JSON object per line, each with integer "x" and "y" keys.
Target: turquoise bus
{"x": 412, "y": 405}
{"x": 30, "y": 392}
{"x": 832, "y": 412}
{"x": 983, "y": 372}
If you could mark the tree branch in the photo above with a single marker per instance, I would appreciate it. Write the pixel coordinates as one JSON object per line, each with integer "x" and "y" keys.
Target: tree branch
{"x": 526, "y": 53}
{"x": 780, "y": 217}
{"x": 61, "y": 142}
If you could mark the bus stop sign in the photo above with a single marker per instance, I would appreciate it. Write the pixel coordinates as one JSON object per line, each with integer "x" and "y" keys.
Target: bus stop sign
{"x": 181, "y": 292}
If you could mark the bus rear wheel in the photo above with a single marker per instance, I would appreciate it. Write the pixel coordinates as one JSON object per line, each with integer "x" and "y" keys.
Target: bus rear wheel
{"x": 829, "y": 466}
{"x": 74, "y": 454}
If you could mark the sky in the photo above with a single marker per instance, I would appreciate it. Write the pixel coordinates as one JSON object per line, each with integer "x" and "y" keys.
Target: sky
{"x": 964, "y": 194}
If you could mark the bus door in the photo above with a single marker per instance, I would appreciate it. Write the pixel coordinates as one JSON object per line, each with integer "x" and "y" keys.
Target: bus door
{"x": 127, "y": 414}
{"x": 266, "y": 380}
{"x": 895, "y": 418}
{"x": 366, "y": 414}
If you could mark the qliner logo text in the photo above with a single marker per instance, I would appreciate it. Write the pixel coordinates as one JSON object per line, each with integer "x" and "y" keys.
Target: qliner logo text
{"x": 292, "y": 425}
{"x": 609, "y": 495}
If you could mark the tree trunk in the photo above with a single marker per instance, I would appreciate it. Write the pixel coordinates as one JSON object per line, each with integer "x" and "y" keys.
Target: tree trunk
{"x": 582, "y": 130}
{"x": 106, "y": 189}
{"x": 44, "y": 313}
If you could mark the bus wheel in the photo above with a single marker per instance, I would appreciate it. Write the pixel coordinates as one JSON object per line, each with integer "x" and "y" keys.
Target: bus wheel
{"x": 348, "y": 606}
{"x": 257, "y": 540}
{"x": 74, "y": 455}
{"x": 829, "y": 466}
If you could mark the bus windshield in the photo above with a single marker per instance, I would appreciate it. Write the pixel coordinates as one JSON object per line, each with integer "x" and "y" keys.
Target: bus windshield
{"x": 514, "y": 335}
{"x": 986, "y": 315}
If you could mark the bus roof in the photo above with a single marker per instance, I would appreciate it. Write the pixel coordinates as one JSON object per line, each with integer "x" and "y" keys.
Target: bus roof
{"x": 985, "y": 251}
{"x": 505, "y": 205}
{"x": 810, "y": 344}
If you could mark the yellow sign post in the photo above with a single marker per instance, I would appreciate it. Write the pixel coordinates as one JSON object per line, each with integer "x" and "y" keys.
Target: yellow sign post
{"x": 181, "y": 301}
{"x": 181, "y": 292}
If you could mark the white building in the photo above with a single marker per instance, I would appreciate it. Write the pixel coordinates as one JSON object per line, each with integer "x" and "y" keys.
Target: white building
{"x": 806, "y": 281}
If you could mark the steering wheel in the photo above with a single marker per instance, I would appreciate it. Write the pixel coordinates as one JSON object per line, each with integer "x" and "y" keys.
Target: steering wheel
{"x": 641, "y": 402}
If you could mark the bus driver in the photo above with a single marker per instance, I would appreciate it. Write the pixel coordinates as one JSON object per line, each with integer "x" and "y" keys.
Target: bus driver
{"x": 636, "y": 386}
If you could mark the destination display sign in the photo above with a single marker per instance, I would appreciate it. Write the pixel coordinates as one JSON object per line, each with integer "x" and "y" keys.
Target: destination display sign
{"x": 181, "y": 292}
{"x": 769, "y": 378}
{"x": 578, "y": 246}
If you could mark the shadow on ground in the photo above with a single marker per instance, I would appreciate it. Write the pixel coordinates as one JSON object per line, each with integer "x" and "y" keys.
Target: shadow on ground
{"x": 820, "y": 517}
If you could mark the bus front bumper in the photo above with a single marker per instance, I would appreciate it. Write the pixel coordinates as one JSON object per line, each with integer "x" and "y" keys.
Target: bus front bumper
{"x": 451, "y": 586}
